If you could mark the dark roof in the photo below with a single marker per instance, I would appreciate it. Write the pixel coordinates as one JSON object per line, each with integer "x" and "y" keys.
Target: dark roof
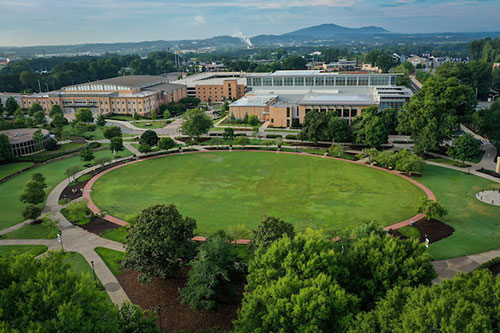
{"x": 132, "y": 81}
{"x": 165, "y": 87}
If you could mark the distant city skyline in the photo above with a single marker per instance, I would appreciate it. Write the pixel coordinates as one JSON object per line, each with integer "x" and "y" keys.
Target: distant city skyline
{"x": 57, "y": 22}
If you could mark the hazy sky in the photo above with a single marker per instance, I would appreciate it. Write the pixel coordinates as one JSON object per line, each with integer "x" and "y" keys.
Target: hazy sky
{"x": 51, "y": 22}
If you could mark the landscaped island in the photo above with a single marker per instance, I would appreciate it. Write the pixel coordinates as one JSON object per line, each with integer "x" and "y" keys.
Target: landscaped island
{"x": 223, "y": 189}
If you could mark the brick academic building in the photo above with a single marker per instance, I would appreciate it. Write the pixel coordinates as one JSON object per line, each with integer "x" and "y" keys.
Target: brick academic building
{"x": 121, "y": 95}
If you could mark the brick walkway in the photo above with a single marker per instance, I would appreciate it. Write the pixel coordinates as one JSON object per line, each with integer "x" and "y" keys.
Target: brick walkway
{"x": 88, "y": 189}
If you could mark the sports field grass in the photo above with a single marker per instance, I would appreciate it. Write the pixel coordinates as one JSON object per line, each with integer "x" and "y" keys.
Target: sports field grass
{"x": 9, "y": 169}
{"x": 476, "y": 224}
{"x": 222, "y": 189}
{"x": 54, "y": 172}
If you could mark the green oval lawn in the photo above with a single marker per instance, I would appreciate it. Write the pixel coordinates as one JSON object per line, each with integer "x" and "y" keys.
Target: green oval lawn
{"x": 222, "y": 189}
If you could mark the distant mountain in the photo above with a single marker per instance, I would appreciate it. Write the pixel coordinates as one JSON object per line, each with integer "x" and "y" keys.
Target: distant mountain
{"x": 320, "y": 35}
{"x": 329, "y": 30}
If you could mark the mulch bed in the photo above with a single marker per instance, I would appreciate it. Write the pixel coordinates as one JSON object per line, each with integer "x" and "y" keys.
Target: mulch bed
{"x": 68, "y": 193}
{"x": 174, "y": 315}
{"x": 495, "y": 269}
{"x": 434, "y": 229}
{"x": 98, "y": 226}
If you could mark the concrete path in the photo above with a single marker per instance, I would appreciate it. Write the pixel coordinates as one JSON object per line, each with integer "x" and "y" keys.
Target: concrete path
{"x": 75, "y": 239}
{"x": 446, "y": 269}
{"x": 134, "y": 150}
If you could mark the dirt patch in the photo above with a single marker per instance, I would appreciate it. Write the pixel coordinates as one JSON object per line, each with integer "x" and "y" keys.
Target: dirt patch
{"x": 434, "y": 229}
{"x": 174, "y": 315}
{"x": 98, "y": 226}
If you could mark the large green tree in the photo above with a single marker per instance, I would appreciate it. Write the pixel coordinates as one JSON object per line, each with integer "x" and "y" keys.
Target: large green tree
{"x": 315, "y": 127}
{"x": 465, "y": 148}
{"x": 11, "y": 106}
{"x": 489, "y": 123}
{"x": 212, "y": 276}
{"x": 84, "y": 115}
{"x": 338, "y": 128}
{"x": 5, "y": 149}
{"x": 116, "y": 144}
{"x": 369, "y": 128}
{"x": 270, "y": 230}
{"x": 111, "y": 132}
{"x": 195, "y": 123}
{"x": 466, "y": 303}
{"x": 149, "y": 138}
{"x": 435, "y": 112}
{"x": 159, "y": 242}
{"x": 33, "y": 193}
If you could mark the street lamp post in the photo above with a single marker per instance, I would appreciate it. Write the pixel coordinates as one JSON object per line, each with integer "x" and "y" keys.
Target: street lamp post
{"x": 59, "y": 239}
{"x": 93, "y": 271}
{"x": 158, "y": 308}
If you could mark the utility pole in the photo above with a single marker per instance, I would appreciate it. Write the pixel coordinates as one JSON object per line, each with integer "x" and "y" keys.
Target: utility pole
{"x": 39, "y": 86}
{"x": 59, "y": 239}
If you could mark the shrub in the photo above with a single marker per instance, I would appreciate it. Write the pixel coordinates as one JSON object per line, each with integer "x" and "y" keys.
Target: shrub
{"x": 273, "y": 136}
{"x": 291, "y": 137}
{"x": 77, "y": 212}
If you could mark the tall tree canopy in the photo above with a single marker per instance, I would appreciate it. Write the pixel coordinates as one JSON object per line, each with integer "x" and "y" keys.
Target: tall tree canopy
{"x": 435, "y": 112}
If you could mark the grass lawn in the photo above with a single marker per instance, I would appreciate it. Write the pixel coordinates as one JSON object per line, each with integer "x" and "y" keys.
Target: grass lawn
{"x": 153, "y": 149}
{"x": 118, "y": 234}
{"x": 77, "y": 263}
{"x": 112, "y": 259}
{"x": 9, "y": 169}
{"x": 63, "y": 148}
{"x": 14, "y": 250}
{"x": 449, "y": 162}
{"x": 322, "y": 151}
{"x": 211, "y": 142}
{"x": 410, "y": 232}
{"x": 98, "y": 134}
{"x": 54, "y": 173}
{"x": 154, "y": 124}
{"x": 33, "y": 231}
{"x": 270, "y": 130}
{"x": 476, "y": 224}
{"x": 223, "y": 189}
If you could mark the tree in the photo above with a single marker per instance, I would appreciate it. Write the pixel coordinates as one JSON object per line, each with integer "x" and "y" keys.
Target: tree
{"x": 35, "y": 107}
{"x": 335, "y": 150}
{"x": 38, "y": 177}
{"x": 116, "y": 144}
{"x": 54, "y": 110}
{"x": 153, "y": 114}
{"x": 33, "y": 193}
{"x": 112, "y": 131}
{"x": 305, "y": 284}
{"x": 71, "y": 171}
{"x": 242, "y": 141}
{"x": 315, "y": 127}
{"x": 159, "y": 242}
{"x": 228, "y": 133}
{"x": 5, "y": 149}
{"x": 132, "y": 319}
{"x": 166, "y": 143}
{"x": 489, "y": 123}
{"x": 465, "y": 303}
{"x": 217, "y": 142}
{"x": 39, "y": 117}
{"x": 213, "y": 270}
{"x": 79, "y": 128}
{"x": 430, "y": 208}
{"x": 253, "y": 120}
{"x": 338, "y": 128}
{"x": 390, "y": 118}
{"x": 84, "y": 115}
{"x": 145, "y": 148}
{"x": 294, "y": 62}
{"x": 369, "y": 128}
{"x": 149, "y": 138}
{"x": 86, "y": 154}
{"x": 195, "y": 123}
{"x": 465, "y": 148}
{"x": 102, "y": 160}
{"x": 46, "y": 295}
{"x": 101, "y": 120}
{"x": 58, "y": 121}
{"x": 31, "y": 212}
{"x": 11, "y": 105}
{"x": 270, "y": 230}
{"x": 407, "y": 161}
{"x": 435, "y": 112}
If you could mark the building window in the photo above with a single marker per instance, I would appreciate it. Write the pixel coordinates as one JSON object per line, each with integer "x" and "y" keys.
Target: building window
{"x": 309, "y": 81}
{"x": 340, "y": 81}
{"x": 352, "y": 81}
{"x": 345, "y": 113}
{"x": 363, "y": 81}
{"x": 329, "y": 81}
{"x": 288, "y": 81}
{"x": 288, "y": 112}
{"x": 278, "y": 81}
{"x": 319, "y": 81}
{"x": 299, "y": 81}
{"x": 267, "y": 82}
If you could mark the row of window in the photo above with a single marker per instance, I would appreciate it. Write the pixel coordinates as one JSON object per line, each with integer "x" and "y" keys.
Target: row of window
{"x": 322, "y": 81}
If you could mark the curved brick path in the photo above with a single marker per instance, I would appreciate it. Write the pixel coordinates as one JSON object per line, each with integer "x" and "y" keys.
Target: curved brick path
{"x": 88, "y": 189}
